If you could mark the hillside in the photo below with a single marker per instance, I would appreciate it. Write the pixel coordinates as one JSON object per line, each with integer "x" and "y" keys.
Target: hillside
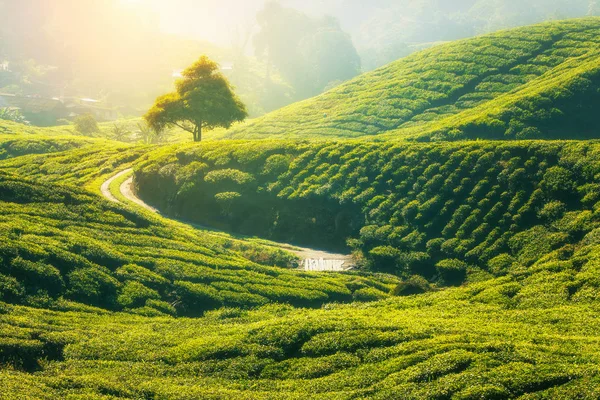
{"x": 535, "y": 82}
{"x": 464, "y": 344}
{"x": 441, "y": 210}
{"x": 96, "y": 297}
{"x": 478, "y": 261}
{"x": 62, "y": 244}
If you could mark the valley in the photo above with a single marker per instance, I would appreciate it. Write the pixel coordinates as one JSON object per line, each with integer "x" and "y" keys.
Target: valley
{"x": 427, "y": 230}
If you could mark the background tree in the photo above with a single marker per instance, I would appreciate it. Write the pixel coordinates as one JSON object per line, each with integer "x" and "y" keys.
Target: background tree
{"x": 308, "y": 52}
{"x": 120, "y": 133}
{"x": 204, "y": 100}
{"x": 86, "y": 124}
{"x": 149, "y": 135}
{"x": 333, "y": 58}
{"x": 8, "y": 114}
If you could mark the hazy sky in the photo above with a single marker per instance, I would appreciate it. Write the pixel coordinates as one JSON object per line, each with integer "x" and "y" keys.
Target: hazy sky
{"x": 220, "y": 21}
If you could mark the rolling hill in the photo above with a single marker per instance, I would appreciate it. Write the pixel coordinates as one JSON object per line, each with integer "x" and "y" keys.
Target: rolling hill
{"x": 61, "y": 243}
{"x": 537, "y": 82}
{"x": 479, "y": 260}
{"x": 439, "y": 210}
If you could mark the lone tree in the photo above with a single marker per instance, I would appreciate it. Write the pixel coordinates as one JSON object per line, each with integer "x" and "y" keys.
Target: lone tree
{"x": 86, "y": 124}
{"x": 204, "y": 100}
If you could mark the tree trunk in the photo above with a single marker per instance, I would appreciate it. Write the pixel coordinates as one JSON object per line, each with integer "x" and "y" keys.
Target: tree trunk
{"x": 198, "y": 133}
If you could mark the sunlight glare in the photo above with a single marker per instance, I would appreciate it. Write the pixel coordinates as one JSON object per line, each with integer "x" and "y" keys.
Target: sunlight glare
{"x": 132, "y": 2}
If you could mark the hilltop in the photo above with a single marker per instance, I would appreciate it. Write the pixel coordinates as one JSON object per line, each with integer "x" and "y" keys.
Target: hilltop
{"x": 537, "y": 82}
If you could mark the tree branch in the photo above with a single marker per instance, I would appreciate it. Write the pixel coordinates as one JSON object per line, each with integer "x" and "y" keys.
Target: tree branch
{"x": 182, "y": 126}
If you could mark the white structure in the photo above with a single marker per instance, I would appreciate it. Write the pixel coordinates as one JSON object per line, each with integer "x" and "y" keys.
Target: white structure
{"x": 322, "y": 265}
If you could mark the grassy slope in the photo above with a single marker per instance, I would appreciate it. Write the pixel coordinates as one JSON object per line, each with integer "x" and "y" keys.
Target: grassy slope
{"x": 520, "y": 335}
{"x": 493, "y": 86}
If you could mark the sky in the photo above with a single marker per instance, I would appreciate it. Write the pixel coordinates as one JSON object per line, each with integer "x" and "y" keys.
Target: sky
{"x": 220, "y": 21}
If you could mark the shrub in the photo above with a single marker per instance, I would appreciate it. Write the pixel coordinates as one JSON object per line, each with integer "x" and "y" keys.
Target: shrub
{"x": 414, "y": 285}
{"x": 92, "y": 286}
{"x": 452, "y": 271}
{"x": 134, "y": 294}
{"x": 552, "y": 211}
{"x": 86, "y": 124}
{"x": 11, "y": 290}
{"x": 196, "y": 298}
{"x": 37, "y": 276}
{"x": 385, "y": 258}
{"x": 558, "y": 181}
{"x": 501, "y": 264}
{"x": 369, "y": 294}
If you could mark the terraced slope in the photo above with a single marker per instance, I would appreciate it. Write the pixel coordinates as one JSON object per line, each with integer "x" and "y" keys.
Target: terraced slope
{"x": 438, "y": 210}
{"x": 530, "y": 335}
{"x": 61, "y": 244}
{"x": 94, "y": 296}
{"x": 541, "y": 81}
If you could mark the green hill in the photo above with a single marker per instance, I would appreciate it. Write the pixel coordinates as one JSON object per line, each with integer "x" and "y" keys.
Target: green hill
{"x": 478, "y": 260}
{"x": 518, "y": 337}
{"x": 440, "y": 210}
{"x": 539, "y": 82}
{"x": 61, "y": 244}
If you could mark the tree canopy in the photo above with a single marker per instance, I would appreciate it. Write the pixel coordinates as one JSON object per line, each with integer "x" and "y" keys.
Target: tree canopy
{"x": 204, "y": 100}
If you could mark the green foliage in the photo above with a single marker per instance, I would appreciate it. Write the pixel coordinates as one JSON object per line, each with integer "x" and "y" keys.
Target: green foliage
{"x": 204, "y": 100}
{"x": 95, "y": 296}
{"x": 537, "y": 82}
{"x": 61, "y": 243}
{"x": 452, "y": 271}
{"x": 86, "y": 124}
{"x": 490, "y": 339}
{"x": 414, "y": 285}
{"x": 405, "y": 207}
{"x": 135, "y": 295}
{"x": 7, "y": 114}
{"x": 120, "y": 133}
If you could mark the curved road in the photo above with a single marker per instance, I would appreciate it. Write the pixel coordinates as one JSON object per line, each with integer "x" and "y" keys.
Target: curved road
{"x": 313, "y": 260}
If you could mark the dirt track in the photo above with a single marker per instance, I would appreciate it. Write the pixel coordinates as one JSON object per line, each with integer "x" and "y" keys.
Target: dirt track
{"x": 309, "y": 256}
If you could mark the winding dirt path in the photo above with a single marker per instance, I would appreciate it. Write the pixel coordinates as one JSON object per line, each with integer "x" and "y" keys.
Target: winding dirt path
{"x": 312, "y": 260}
{"x": 105, "y": 188}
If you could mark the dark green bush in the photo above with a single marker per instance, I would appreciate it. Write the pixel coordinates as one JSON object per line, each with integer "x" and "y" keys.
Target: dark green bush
{"x": 451, "y": 271}
{"x": 414, "y": 285}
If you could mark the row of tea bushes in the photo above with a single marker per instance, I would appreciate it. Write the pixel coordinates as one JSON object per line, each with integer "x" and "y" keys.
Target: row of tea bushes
{"x": 534, "y": 82}
{"x": 437, "y": 210}
{"x": 58, "y": 243}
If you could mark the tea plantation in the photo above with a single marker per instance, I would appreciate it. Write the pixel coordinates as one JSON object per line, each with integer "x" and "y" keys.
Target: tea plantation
{"x": 535, "y": 82}
{"x": 436, "y": 210}
{"x": 60, "y": 243}
{"x": 521, "y": 336}
{"x": 478, "y": 260}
